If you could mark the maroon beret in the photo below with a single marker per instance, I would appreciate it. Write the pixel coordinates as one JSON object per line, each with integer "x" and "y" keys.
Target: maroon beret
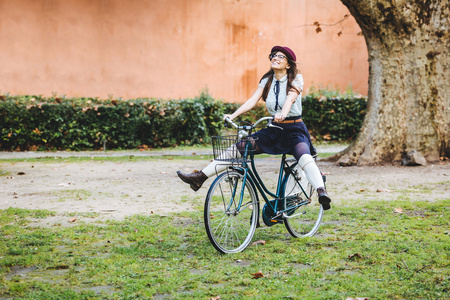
{"x": 287, "y": 51}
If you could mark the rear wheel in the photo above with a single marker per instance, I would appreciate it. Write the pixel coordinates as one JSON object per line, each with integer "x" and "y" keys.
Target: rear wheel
{"x": 229, "y": 222}
{"x": 305, "y": 215}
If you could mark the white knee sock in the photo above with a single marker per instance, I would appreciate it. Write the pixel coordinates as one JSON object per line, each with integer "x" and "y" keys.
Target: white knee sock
{"x": 218, "y": 166}
{"x": 215, "y": 167}
{"x": 308, "y": 165}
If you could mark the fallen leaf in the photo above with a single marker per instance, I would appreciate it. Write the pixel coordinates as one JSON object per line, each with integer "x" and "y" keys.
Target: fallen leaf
{"x": 257, "y": 275}
{"x": 21, "y": 173}
{"x": 383, "y": 191}
{"x": 216, "y": 298}
{"x": 362, "y": 190}
{"x": 72, "y": 220}
{"x": 398, "y": 210}
{"x": 260, "y": 242}
{"x": 354, "y": 256}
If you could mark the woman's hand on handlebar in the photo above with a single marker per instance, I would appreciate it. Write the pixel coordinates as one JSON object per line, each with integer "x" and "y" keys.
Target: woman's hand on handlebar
{"x": 227, "y": 116}
{"x": 279, "y": 117}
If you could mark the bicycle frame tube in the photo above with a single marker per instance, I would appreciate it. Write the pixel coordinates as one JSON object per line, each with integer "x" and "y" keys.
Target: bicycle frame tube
{"x": 261, "y": 183}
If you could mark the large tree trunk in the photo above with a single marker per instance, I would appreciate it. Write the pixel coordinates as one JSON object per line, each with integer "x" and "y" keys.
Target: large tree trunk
{"x": 409, "y": 77}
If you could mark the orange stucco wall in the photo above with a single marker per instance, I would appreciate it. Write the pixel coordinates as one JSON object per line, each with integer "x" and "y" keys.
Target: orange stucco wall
{"x": 171, "y": 48}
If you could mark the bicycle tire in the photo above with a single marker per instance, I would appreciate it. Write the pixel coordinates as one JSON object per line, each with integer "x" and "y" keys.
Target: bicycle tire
{"x": 302, "y": 221}
{"x": 230, "y": 228}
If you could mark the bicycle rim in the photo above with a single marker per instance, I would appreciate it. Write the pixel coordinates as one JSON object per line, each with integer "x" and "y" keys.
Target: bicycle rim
{"x": 304, "y": 220}
{"x": 230, "y": 225}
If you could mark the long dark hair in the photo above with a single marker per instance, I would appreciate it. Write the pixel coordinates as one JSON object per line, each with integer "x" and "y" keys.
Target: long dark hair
{"x": 291, "y": 74}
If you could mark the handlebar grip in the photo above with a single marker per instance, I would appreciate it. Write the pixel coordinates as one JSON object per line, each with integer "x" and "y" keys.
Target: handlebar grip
{"x": 231, "y": 122}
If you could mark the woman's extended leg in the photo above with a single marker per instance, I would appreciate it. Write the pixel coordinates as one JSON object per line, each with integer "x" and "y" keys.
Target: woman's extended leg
{"x": 197, "y": 178}
{"x": 306, "y": 162}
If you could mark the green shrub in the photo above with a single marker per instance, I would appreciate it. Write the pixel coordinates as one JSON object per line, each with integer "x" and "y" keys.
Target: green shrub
{"x": 37, "y": 123}
{"x": 335, "y": 118}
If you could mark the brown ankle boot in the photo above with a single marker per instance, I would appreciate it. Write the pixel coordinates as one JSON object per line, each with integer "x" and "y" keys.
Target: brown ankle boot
{"x": 195, "y": 179}
{"x": 324, "y": 200}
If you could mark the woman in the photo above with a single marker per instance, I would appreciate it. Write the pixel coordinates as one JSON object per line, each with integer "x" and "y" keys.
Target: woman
{"x": 281, "y": 89}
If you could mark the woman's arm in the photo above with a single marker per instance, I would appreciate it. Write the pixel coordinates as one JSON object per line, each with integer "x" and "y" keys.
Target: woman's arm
{"x": 290, "y": 99}
{"x": 248, "y": 105}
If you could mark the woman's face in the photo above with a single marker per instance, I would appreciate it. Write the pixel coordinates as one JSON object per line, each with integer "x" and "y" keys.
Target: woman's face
{"x": 279, "y": 61}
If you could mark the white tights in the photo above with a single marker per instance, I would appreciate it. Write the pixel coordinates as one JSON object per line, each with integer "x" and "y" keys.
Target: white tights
{"x": 218, "y": 166}
{"x": 312, "y": 172}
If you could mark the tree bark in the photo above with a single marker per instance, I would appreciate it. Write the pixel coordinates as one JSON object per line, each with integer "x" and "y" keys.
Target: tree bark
{"x": 408, "y": 108}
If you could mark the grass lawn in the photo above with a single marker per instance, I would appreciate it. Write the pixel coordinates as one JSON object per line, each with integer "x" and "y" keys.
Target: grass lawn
{"x": 373, "y": 250}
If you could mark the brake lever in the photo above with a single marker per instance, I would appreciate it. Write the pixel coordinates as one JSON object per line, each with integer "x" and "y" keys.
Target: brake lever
{"x": 274, "y": 126}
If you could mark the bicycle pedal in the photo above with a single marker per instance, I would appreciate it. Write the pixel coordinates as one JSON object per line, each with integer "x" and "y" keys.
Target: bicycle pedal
{"x": 278, "y": 219}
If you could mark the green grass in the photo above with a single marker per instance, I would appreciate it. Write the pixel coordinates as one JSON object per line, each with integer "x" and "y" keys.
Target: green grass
{"x": 125, "y": 158}
{"x": 360, "y": 251}
{"x": 76, "y": 194}
{"x": 136, "y": 155}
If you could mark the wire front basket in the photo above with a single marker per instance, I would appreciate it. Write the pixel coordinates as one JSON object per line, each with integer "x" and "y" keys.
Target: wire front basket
{"x": 229, "y": 148}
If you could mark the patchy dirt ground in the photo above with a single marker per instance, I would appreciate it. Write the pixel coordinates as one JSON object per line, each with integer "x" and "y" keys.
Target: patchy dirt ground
{"x": 99, "y": 190}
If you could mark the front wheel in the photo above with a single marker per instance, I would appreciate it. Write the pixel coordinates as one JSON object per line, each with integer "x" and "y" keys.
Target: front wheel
{"x": 231, "y": 212}
{"x": 305, "y": 215}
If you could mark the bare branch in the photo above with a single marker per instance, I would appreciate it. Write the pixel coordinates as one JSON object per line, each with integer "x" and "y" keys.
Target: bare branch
{"x": 317, "y": 24}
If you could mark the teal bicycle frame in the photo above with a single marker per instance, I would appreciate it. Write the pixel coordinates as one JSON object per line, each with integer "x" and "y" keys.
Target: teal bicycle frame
{"x": 249, "y": 171}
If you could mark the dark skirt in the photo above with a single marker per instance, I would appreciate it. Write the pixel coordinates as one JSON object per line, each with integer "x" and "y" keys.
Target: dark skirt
{"x": 276, "y": 141}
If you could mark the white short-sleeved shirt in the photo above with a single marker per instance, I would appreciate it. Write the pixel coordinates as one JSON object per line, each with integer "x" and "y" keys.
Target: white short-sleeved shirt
{"x": 296, "y": 109}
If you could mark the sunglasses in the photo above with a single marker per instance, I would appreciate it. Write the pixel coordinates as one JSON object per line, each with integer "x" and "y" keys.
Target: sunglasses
{"x": 279, "y": 56}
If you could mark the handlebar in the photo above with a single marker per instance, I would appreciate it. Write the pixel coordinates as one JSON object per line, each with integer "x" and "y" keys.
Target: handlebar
{"x": 249, "y": 127}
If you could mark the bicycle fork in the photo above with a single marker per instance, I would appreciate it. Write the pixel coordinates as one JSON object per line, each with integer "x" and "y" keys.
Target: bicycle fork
{"x": 234, "y": 186}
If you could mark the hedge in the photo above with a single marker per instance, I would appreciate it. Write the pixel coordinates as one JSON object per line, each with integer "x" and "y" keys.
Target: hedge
{"x": 38, "y": 123}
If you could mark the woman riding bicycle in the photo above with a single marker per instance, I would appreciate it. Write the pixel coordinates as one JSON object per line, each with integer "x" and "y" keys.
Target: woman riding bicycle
{"x": 281, "y": 88}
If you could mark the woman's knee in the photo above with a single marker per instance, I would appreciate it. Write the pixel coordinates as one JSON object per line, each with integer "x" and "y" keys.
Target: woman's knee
{"x": 301, "y": 149}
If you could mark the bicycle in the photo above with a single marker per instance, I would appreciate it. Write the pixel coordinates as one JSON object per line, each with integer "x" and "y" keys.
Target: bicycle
{"x": 232, "y": 206}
